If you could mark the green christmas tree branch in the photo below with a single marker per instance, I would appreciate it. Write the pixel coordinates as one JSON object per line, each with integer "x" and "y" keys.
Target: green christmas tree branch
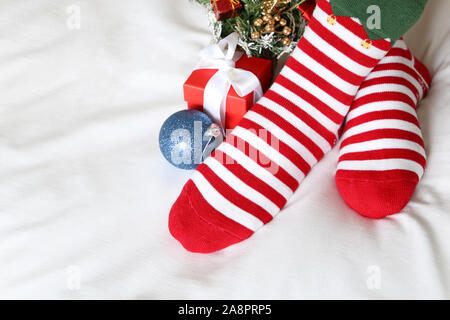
{"x": 268, "y": 45}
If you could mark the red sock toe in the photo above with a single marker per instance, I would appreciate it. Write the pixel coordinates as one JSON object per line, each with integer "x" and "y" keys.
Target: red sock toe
{"x": 376, "y": 199}
{"x": 194, "y": 232}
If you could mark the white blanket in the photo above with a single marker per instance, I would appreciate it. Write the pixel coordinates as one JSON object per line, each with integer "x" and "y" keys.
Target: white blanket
{"x": 85, "y": 193}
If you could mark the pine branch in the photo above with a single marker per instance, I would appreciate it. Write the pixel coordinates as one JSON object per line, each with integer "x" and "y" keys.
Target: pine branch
{"x": 268, "y": 45}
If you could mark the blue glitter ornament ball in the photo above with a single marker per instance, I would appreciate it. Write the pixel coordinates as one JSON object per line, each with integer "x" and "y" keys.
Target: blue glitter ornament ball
{"x": 187, "y": 137}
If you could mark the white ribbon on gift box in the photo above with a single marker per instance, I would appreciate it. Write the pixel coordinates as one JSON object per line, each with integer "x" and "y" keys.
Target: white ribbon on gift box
{"x": 223, "y": 56}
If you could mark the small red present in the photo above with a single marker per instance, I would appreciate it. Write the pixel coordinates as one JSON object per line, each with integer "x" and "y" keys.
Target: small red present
{"x": 307, "y": 8}
{"x": 227, "y": 91}
{"x": 226, "y": 9}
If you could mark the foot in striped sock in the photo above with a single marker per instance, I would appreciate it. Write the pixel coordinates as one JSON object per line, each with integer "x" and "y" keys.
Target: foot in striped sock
{"x": 382, "y": 154}
{"x": 250, "y": 177}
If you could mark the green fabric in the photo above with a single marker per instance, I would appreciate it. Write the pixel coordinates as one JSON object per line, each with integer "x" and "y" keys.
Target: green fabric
{"x": 395, "y": 19}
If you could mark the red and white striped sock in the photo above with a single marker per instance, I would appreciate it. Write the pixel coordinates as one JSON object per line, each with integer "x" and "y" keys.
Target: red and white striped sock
{"x": 382, "y": 154}
{"x": 250, "y": 177}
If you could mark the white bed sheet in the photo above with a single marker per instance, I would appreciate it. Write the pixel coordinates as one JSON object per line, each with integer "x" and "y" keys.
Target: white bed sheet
{"x": 85, "y": 193}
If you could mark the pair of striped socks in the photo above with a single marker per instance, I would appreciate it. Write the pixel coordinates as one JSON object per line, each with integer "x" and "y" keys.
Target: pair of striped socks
{"x": 335, "y": 74}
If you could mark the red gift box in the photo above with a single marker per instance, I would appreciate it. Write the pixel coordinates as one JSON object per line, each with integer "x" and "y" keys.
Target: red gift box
{"x": 226, "y": 9}
{"x": 307, "y": 8}
{"x": 236, "y": 106}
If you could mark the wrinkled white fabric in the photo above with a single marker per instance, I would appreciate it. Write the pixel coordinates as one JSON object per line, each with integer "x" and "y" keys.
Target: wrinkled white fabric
{"x": 85, "y": 193}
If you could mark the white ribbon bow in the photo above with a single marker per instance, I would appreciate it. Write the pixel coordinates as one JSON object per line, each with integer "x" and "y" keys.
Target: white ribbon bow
{"x": 223, "y": 56}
